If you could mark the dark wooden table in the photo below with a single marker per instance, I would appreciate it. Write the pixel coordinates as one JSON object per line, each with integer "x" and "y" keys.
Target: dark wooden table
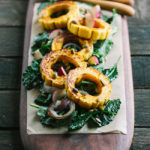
{"x": 12, "y": 21}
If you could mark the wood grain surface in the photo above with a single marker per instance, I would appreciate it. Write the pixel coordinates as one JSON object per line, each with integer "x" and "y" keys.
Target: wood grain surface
{"x": 11, "y": 49}
{"x": 87, "y": 141}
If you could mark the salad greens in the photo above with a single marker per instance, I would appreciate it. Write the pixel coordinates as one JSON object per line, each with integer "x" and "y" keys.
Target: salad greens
{"x": 79, "y": 121}
{"x": 102, "y": 118}
{"x": 81, "y": 116}
{"x": 43, "y": 99}
{"x": 103, "y": 47}
{"x": 111, "y": 73}
{"x": 32, "y": 75}
{"x": 42, "y": 43}
{"x": 87, "y": 86}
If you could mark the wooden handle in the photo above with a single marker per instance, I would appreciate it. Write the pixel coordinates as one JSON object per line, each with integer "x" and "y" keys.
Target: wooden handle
{"x": 109, "y": 5}
{"x": 128, "y": 2}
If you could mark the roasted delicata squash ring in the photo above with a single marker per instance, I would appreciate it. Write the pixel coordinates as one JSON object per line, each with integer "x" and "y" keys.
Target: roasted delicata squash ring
{"x": 87, "y": 45}
{"x": 103, "y": 88}
{"x": 101, "y": 30}
{"x": 66, "y": 56}
{"x": 68, "y": 8}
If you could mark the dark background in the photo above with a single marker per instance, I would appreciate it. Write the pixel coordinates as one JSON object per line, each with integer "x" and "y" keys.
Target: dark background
{"x": 12, "y": 22}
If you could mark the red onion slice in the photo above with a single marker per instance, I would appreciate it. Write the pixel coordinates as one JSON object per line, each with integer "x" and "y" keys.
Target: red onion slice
{"x": 58, "y": 94}
{"x": 62, "y": 71}
{"x": 72, "y": 44}
{"x": 53, "y": 113}
{"x": 60, "y": 105}
{"x": 64, "y": 103}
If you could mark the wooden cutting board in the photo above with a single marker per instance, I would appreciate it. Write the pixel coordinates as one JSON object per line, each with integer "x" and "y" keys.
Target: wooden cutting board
{"x": 79, "y": 141}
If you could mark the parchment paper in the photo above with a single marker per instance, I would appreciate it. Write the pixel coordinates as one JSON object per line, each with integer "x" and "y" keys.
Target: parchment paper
{"x": 118, "y": 125}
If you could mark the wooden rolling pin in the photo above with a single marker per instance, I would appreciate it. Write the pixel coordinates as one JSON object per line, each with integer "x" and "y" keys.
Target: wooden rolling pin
{"x": 109, "y": 5}
{"x": 128, "y": 2}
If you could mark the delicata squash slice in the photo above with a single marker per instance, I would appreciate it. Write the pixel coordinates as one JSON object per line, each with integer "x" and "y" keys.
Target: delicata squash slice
{"x": 64, "y": 56}
{"x": 88, "y": 101}
{"x": 85, "y": 48}
{"x": 57, "y": 15}
{"x": 100, "y": 31}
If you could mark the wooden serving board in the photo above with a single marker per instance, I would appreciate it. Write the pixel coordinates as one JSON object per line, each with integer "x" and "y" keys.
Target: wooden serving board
{"x": 79, "y": 141}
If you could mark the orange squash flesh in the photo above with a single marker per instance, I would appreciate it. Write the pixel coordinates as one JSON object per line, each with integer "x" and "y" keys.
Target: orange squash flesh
{"x": 66, "y": 56}
{"x": 101, "y": 30}
{"x": 87, "y": 45}
{"x": 103, "y": 88}
{"x": 50, "y": 23}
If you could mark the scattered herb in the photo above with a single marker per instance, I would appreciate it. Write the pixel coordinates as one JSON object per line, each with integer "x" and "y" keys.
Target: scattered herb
{"x": 45, "y": 47}
{"x": 73, "y": 47}
{"x": 112, "y": 19}
{"x": 42, "y": 111}
{"x": 43, "y": 99}
{"x": 100, "y": 66}
{"x": 41, "y": 89}
{"x": 111, "y": 73}
{"x": 103, "y": 47}
{"x": 32, "y": 76}
{"x": 108, "y": 114}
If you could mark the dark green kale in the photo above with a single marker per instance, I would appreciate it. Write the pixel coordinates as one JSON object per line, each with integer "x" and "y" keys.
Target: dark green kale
{"x": 32, "y": 76}
{"x": 44, "y": 4}
{"x": 102, "y": 118}
{"x": 87, "y": 86}
{"x": 43, "y": 99}
{"x": 111, "y": 73}
{"x": 103, "y": 17}
{"x": 80, "y": 116}
{"x": 97, "y": 117}
{"x": 42, "y": 111}
{"x": 45, "y": 119}
{"x": 41, "y": 37}
{"x": 79, "y": 121}
{"x": 42, "y": 43}
{"x": 112, "y": 19}
{"x": 103, "y": 47}
{"x": 100, "y": 66}
{"x": 45, "y": 47}
{"x": 49, "y": 121}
